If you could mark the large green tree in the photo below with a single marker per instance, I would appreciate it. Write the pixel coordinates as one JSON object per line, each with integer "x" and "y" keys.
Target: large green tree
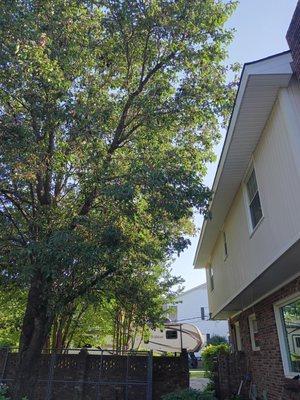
{"x": 108, "y": 110}
{"x": 139, "y": 304}
{"x": 120, "y": 314}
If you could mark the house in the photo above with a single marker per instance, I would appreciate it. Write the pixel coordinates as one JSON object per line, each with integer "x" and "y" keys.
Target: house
{"x": 192, "y": 307}
{"x": 251, "y": 245}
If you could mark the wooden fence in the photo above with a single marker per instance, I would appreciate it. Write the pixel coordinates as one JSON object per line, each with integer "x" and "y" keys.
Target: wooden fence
{"x": 102, "y": 376}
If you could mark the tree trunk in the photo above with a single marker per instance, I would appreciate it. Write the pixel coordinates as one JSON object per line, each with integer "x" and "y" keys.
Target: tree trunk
{"x": 36, "y": 327}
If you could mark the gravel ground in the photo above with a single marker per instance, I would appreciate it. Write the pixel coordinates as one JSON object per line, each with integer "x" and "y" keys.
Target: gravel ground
{"x": 198, "y": 383}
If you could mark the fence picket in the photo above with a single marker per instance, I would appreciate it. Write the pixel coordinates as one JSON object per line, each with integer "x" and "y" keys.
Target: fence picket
{"x": 50, "y": 377}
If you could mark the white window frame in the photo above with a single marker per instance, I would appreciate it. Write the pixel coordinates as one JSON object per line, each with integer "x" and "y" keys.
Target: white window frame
{"x": 251, "y": 168}
{"x": 238, "y": 338}
{"x": 281, "y": 334}
{"x": 252, "y": 318}
{"x": 295, "y": 342}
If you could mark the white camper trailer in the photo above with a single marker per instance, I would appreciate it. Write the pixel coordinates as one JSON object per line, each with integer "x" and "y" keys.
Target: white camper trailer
{"x": 174, "y": 337}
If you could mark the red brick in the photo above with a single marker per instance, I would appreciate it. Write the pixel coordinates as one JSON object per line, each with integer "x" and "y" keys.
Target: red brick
{"x": 265, "y": 365}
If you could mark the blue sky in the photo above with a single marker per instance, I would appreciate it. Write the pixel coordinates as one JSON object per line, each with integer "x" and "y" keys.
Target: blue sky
{"x": 261, "y": 26}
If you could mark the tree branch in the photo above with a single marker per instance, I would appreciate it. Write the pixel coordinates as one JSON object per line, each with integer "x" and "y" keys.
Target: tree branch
{"x": 13, "y": 222}
{"x": 17, "y": 205}
{"x": 118, "y": 138}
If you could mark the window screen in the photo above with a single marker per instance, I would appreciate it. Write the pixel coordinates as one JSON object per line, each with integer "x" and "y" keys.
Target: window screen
{"x": 254, "y": 200}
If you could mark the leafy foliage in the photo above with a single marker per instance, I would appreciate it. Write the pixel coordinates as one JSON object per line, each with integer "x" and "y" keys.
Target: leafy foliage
{"x": 209, "y": 353}
{"x": 217, "y": 339}
{"x": 12, "y": 305}
{"x": 3, "y": 392}
{"x": 108, "y": 113}
{"x": 121, "y": 314}
{"x": 140, "y": 303}
{"x": 93, "y": 327}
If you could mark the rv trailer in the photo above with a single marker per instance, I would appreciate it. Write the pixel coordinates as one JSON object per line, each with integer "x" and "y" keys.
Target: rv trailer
{"x": 174, "y": 337}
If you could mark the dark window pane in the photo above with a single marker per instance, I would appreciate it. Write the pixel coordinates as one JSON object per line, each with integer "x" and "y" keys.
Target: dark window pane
{"x": 202, "y": 313}
{"x": 211, "y": 278}
{"x": 255, "y": 210}
{"x": 252, "y": 186}
{"x": 255, "y": 333}
{"x": 171, "y": 334}
{"x": 225, "y": 244}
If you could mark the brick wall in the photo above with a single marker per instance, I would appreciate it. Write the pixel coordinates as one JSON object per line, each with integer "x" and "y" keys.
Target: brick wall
{"x": 293, "y": 39}
{"x": 264, "y": 366}
{"x": 78, "y": 376}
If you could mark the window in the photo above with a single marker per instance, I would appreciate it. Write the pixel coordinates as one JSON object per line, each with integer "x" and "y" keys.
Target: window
{"x": 238, "y": 339}
{"x": 225, "y": 245}
{"x": 254, "y": 205}
{"x": 288, "y": 325}
{"x": 202, "y": 313}
{"x": 211, "y": 278}
{"x": 254, "y": 332}
{"x": 171, "y": 334}
{"x": 207, "y": 338}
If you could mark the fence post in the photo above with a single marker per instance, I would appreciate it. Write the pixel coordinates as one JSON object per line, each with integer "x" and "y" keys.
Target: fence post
{"x": 99, "y": 377}
{"x": 150, "y": 375}
{"x": 50, "y": 376}
{"x": 83, "y": 355}
{"x": 127, "y": 372}
{"x": 184, "y": 357}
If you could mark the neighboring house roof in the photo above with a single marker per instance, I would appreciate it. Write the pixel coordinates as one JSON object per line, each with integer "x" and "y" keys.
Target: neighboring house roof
{"x": 258, "y": 89}
{"x": 203, "y": 286}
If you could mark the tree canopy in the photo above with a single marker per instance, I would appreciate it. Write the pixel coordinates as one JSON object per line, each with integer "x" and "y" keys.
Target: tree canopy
{"x": 108, "y": 113}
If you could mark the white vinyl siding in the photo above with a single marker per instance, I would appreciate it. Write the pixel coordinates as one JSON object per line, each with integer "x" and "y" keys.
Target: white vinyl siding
{"x": 279, "y": 191}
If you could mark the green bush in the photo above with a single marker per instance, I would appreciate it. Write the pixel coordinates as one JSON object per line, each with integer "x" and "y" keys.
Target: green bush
{"x": 189, "y": 394}
{"x": 217, "y": 339}
{"x": 209, "y": 353}
{"x": 210, "y": 387}
{"x": 3, "y": 392}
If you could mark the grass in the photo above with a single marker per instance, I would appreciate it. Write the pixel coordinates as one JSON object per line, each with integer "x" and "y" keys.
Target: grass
{"x": 197, "y": 373}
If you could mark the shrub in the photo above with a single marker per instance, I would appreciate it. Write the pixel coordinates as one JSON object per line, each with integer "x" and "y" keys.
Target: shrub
{"x": 209, "y": 353}
{"x": 189, "y": 394}
{"x": 217, "y": 339}
{"x": 3, "y": 392}
{"x": 210, "y": 387}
